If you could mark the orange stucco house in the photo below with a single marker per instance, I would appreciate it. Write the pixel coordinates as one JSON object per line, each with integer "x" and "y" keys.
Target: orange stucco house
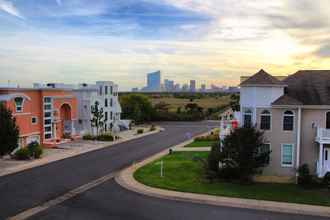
{"x": 46, "y": 115}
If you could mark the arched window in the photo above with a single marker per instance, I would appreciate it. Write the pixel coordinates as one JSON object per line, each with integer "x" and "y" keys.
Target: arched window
{"x": 19, "y": 104}
{"x": 288, "y": 121}
{"x": 247, "y": 118}
{"x": 265, "y": 120}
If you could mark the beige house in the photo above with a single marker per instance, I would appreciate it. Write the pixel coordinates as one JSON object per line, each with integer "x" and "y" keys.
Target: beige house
{"x": 294, "y": 113}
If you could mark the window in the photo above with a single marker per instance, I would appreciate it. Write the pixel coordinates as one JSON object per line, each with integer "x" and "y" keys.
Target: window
{"x": 47, "y": 100}
{"x": 105, "y": 102}
{"x": 106, "y": 116}
{"x": 48, "y": 136}
{"x": 48, "y": 129}
{"x": 111, "y": 89}
{"x": 110, "y": 115}
{"x": 106, "y": 90}
{"x": 34, "y": 120}
{"x": 288, "y": 121}
{"x": 265, "y": 120}
{"x": 100, "y": 90}
{"x": 19, "y": 104}
{"x": 111, "y": 102}
{"x": 48, "y": 121}
{"x": 247, "y": 118}
{"x": 48, "y": 114}
{"x": 287, "y": 155}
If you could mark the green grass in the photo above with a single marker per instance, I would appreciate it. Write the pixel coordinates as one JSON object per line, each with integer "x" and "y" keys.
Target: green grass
{"x": 184, "y": 174}
{"x": 201, "y": 144}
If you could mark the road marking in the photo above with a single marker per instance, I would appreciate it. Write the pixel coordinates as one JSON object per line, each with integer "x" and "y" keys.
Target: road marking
{"x": 69, "y": 195}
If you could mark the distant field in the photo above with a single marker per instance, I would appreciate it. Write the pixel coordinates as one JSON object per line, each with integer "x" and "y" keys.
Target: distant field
{"x": 205, "y": 102}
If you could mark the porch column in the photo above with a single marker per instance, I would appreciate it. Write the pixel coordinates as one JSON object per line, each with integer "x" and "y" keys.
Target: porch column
{"x": 321, "y": 160}
{"x": 73, "y": 130}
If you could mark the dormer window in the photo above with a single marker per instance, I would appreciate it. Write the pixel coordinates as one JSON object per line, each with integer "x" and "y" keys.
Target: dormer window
{"x": 288, "y": 121}
{"x": 265, "y": 120}
{"x": 19, "y": 104}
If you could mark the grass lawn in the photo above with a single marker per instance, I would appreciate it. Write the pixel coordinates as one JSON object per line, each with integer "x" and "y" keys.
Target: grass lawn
{"x": 184, "y": 174}
{"x": 201, "y": 144}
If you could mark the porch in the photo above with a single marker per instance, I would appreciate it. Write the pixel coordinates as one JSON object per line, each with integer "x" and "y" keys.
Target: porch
{"x": 323, "y": 140}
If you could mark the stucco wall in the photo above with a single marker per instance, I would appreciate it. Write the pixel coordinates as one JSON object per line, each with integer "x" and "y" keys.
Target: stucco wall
{"x": 276, "y": 137}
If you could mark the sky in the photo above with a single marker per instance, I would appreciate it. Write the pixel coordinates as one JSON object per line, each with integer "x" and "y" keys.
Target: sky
{"x": 211, "y": 41}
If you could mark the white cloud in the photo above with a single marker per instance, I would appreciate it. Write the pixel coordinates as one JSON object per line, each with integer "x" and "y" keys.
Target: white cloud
{"x": 59, "y": 2}
{"x": 10, "y": 8}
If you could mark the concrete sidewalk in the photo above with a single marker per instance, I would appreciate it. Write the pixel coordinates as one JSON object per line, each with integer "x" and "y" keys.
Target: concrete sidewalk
{"x": 126, "y": 179}
{"x": 67, "y": 150}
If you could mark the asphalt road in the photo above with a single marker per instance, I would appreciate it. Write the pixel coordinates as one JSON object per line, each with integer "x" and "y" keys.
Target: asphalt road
{"x": 33, "y": 187}
{"x": 110, "y": 201}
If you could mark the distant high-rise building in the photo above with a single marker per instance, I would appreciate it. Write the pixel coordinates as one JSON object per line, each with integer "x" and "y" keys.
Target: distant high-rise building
{"x": 203, "y": 88}
{"x": 153, "y": 82}
{"x": 177, "y": 87}
{"x": 168, "y": 85}
{"x": 185, "y": 88}
{"x": 192, "y": 86}
{"x": 135, "y": 89}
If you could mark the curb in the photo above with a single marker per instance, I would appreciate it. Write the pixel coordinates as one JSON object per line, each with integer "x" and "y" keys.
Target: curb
{"x": 45, "y": 161}
{"x": 126, "y": 180}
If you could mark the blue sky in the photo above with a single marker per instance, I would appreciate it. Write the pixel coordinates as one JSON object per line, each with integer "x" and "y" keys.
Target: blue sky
{"x": 212, "y": 41}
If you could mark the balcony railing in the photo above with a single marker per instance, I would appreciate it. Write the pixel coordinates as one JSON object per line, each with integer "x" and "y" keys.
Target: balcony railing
{"x": 323, "y": 134}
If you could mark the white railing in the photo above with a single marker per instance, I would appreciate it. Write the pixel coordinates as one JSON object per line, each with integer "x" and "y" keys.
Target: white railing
{"x": 323, "y": 134}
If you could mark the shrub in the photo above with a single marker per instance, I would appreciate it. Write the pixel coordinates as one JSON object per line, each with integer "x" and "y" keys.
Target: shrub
{"x": 105, "y": 137}
{"x": 38, "y": 152}
{"x": 214, "y": 158}
{"x": 9, "y": 131}
{"x": 153, "y": 128}
{"x": 22, "y": 154}
{"x": 140, "y": 131}
{"x": 89, "y": 137}
{"x": 326, "y": 180}
{"x": 304, "y": 177}
{"x": 211, "y": 137}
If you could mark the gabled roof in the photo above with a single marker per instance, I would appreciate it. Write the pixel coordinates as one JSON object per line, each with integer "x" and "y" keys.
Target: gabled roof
{"x": 286, "y": 100}
{"x": 262, "y": 78}
{"x": 310, "y": 87}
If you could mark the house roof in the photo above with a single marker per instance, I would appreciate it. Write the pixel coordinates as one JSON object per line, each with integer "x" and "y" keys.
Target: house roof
{"x": 310, "y": 87}
{"x": 262, "y": 78}
{"x": 286, "y": 100}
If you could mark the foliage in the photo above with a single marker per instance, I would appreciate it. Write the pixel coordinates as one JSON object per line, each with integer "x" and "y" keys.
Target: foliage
{"x": 140, "y": 131}
{"x": 97, "y": 119}
{"x": 153, "y": 128}
{"x": 211, "y": 137}
{"x": 326, "y": 180}
{"x": 22, "y": 154}
{"x": 136, "y": 107}
{"x": 105, "y": 137}
{"x": 89, "y": 137}
{"x": 235, "y": 102}
{"x": 242, "y": 155}
{"x": 304, "y": 177}
{"x": 9, "y": 131}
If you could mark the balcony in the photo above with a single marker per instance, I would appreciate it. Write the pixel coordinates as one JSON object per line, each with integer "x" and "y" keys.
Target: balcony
{"x": 323, "y": 135}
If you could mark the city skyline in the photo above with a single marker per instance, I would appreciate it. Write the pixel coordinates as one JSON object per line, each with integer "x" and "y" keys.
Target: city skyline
{"x": 213, "y": 41}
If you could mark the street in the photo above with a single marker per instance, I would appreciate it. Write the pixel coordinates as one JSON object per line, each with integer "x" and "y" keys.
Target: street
{"x": 34, "y": 187}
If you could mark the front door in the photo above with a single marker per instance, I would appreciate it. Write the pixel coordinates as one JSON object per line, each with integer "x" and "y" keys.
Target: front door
{"x": 326, "y": 164}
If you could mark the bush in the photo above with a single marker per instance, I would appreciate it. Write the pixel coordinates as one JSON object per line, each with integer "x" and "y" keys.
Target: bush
{"x": 22, "y": 154}
{"x": 326, "y": 180}
{"x": 35, "y": 150}
{"x": 140, "y": 131}
{"x": 214, "y": 158}
{"x": 105, "y": 137}
{"x": 211, "y": 137}
{"x": 89, "y": 137}
{"x": 153, "y": 128}
{"x": 38, "y": 152}
{"x": 304, "y": 177}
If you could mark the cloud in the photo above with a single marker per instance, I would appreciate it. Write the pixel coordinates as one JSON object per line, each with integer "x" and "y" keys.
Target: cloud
{"x": 10, "y": 8}
{"x": 59, "y": 2}
{"x": 323, "y": 51}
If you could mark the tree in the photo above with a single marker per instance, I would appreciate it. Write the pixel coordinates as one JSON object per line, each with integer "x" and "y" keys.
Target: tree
{"x": 136, "y": 107}
{"x": 242, "y": 155}
{"x": 162, "y": 107}
{"x": 8, "y": 131}
{"x": 235, "y": 102}
{"x": 97, "y": 119}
